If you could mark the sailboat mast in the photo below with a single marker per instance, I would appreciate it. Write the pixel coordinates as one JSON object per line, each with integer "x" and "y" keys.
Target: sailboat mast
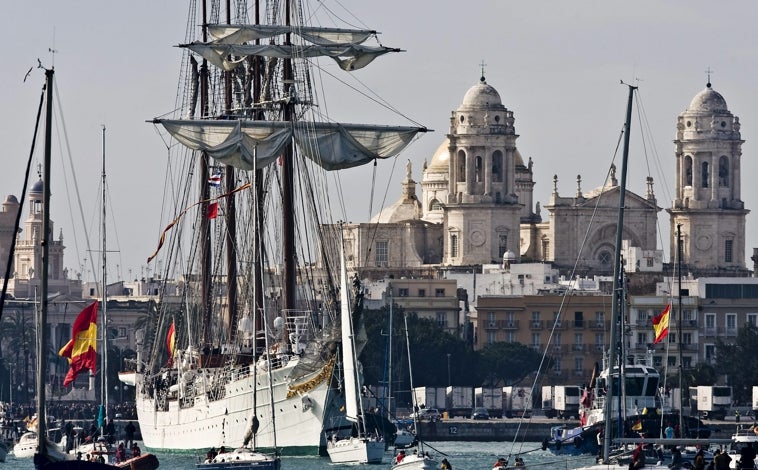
{"x": 617, "y": 297}
{"x": 42, "y": 326}
{"x": 105, "y": 299}
{"x": 679, "y": 324}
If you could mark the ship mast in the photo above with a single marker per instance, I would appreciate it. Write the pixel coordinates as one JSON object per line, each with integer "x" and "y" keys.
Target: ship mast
{"x": 617, "y": 294}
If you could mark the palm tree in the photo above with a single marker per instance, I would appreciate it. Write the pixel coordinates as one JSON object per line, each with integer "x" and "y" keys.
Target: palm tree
{"x": 17, "y": 338}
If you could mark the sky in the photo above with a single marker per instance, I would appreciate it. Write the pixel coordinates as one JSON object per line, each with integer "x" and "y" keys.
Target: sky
{"x": 556, "y": 64}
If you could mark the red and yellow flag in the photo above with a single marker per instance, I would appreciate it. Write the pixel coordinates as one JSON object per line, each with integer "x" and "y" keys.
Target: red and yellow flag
{"x": 81, "y": 350}
{"x": 171, "y": 343}
{"x": 661, "y": 324}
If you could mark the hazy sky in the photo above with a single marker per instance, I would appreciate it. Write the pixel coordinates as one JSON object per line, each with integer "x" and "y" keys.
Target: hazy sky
{"x": 556, "y": 64}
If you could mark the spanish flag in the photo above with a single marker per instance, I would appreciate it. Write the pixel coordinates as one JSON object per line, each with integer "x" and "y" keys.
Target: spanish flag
{"x": 661, "y": 324}
{"x": 81, "y": 350}
{"x": 171, "y": 343}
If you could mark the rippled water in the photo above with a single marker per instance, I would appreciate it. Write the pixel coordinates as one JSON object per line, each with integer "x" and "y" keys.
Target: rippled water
{"x": 462, "y": 455}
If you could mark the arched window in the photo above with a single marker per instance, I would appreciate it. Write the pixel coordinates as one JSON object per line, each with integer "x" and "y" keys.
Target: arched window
{"x": 704, "y": 175}
{"x": 478, "y": 177}
{"x": 723, "y": 172}
{"x": 461, "y": 166}
{"x": 435, "y": 205}
{"x": 453, "y": 245}
{"x": 497, "y": 166}
{"x": 688, "y": 171}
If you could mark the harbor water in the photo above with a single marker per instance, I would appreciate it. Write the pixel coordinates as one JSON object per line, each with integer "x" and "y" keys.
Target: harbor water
{"x": 462, "y": 456}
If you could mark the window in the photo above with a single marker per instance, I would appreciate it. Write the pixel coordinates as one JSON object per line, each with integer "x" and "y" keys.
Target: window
{"x": 600, "y": 319}
{"x": 422, "y": 292}
{"x": 442, "y": 319}
{"x": 557, "y": 365}
{"x": 382, "y": 253}
{"x": 686, "y": 338}
{"x": 435, "y": 205}
{"x": 710, "y": 320}
{"x": 704, "y": 174}
{"x": 478, "y": 169}
{"x": 579, "y": 365}
{"x": 453, "y": 245}
{"x": 578, "y": 341}
{"x": 497, "y": 166}
{"x": 649, "y": 262}
{"x": 491, "y": 322}
{"x": 672, "y": 361}
{"x": 545, "y": 249}
{"x": 642, "y": 340}
{"x": 688, "y": 171}
{"x": 502, "y": 241}
{"x": 439, "y": 292}
{"x": 723, "y": 172}
{"x": 461, "y": 166}
{"x": 599, "y": 341}
{"x": 604, "y": 257}
{"x": 536, "y": 316}
{"x": 731, "y": 321}
{"x": 686, "y": 362}
{"x": 728, "y": 251}
{"x": 710, "y": 353}
{"x": 657, "y": 361}
{"x": 578, "y": 319}
{"x": 510, "y": 337}
{"x": 672, "y": 337}
{"x": 402, "y": 292}
{"x": 752, "y": 318}
{"x": 491, "y": 336}
{"x": 535, "y": 339}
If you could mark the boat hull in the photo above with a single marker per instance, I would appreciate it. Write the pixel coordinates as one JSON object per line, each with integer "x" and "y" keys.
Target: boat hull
{"x": 415, "y": 462}
{"x": 241, "y": 459}
{"x": 301, "y": 405}
{"x": 355, "y": 450}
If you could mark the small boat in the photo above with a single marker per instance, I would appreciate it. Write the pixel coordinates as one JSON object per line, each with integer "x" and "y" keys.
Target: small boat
{"x": 242, "y": 458}
{"x": 361, "y": 448}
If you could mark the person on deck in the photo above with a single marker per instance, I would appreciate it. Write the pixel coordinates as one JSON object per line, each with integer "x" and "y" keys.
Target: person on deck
{"x": 747, "y": 456}
{"x": 445, "y": 465}
{"x": 129, "y": 430}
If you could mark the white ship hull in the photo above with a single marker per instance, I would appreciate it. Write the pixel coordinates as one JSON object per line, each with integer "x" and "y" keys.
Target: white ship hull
{"x": 301, "y": 408}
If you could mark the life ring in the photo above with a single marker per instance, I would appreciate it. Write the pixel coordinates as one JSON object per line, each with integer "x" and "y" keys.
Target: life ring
{"x": 578, "y": 441}
{"x": 755, "y": 430}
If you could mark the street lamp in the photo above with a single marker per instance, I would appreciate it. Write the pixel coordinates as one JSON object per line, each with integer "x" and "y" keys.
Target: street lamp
{"x": 448, "y": 370}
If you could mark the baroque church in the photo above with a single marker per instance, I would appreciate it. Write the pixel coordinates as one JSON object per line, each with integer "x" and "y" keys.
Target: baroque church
{"x": 477, "y": 204}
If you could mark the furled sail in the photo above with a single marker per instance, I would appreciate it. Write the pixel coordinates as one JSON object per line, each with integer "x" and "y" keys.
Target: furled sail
{"x": 239, "y": 34}
{"x": 333, "y": 146}
{"x": 228, "y": 56}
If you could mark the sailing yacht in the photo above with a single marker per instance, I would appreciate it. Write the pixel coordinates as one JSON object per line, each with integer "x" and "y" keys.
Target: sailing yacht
{"x": 361, "y": 448}
{"x": 251, "y": 131}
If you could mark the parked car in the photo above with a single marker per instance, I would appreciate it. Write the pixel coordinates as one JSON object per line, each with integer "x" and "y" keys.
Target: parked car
{"x": 432, "y": 414}
{"x": 480, "y": 413}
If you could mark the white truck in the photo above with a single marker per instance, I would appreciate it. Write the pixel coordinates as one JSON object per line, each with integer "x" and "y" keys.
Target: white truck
{"x": 517, "y": 402}
{"x": 430, "y": 397}
{"x": 711, "y": 401}
{"x": 490, "y": 398}
{"x": 561, "y": 401}
{"x": 460, "y": 401}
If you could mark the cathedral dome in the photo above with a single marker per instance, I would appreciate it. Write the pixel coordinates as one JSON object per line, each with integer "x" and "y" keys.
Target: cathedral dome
{"x": 37, "y": 187}
{"x": 441, "y": 158}
{"x": 10, "y": 199}
{"x": 481, "y": 95}
{"x": 517, "y": 158}
{"x": 708, "y": 100}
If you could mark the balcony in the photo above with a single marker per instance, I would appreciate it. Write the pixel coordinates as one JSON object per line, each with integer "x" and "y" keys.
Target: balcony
{"x": 689, "y": 324}
{"x": 535, "y": 325}
{"x": 598, "y": 325}
{"x": 577, "y": 347}
{"x": 509, "y": 324}
{"x": 711, "y": 331}
{"x": 599, "y": 348}
{"x": 578, "y": 324}
{"x": 490, "y": 325}
{"x": 557, "y": 348}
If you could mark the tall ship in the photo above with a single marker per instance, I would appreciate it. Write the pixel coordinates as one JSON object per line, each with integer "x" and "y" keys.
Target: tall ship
{"x": 254, "y": 317}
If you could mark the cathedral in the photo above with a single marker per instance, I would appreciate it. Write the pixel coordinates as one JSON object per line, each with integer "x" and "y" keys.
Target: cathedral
{"x": 476, "y": 204}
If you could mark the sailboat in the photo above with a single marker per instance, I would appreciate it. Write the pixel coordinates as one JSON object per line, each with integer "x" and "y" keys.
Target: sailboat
{"x": 418, "y": 458}
{"x": 257, "y": 123}
{"x": 361, "y": 448}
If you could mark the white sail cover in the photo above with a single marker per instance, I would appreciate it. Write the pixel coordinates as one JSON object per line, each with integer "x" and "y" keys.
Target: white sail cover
{"x": 239, "y": 34}
{"x": 332, "y": 146}
{"x": 348, "y": 358}
{"x": 228, "y": 56}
